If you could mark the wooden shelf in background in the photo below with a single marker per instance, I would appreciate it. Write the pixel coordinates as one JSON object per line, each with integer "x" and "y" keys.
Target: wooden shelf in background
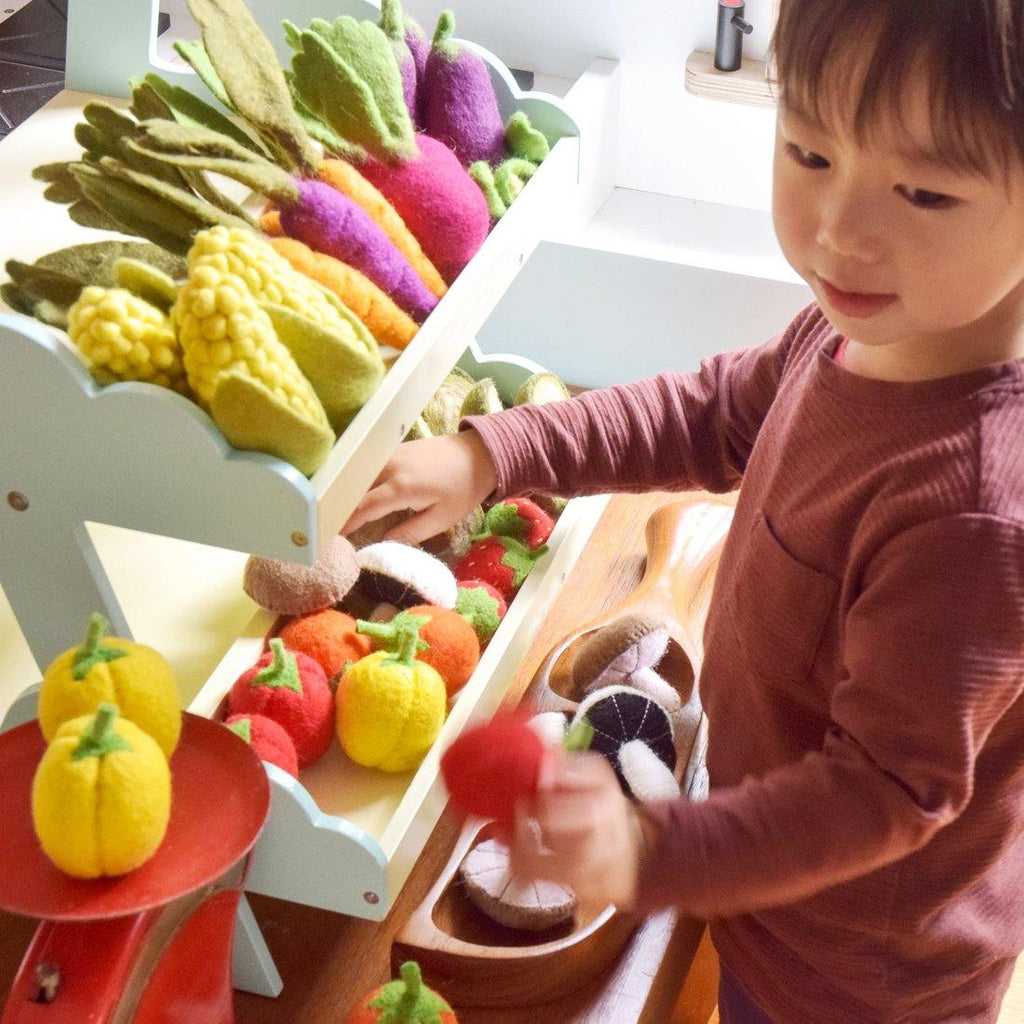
{"x": 748, "y": 85}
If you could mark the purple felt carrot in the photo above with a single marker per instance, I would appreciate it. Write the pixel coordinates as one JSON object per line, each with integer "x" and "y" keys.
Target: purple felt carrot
{"x": 460, "y": 108}
{"x": 331, "y": 223}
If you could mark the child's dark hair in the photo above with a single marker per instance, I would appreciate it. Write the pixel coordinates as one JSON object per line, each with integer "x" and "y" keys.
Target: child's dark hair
{"x": 846, "y": 61}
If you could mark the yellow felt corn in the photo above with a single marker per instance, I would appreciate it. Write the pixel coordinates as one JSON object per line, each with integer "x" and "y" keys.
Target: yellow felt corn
{"x": 223, "y": 331}
{"x": 126, "y": 338}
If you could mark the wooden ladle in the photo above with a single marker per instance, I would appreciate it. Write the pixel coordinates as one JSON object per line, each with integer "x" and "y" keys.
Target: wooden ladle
{"x": 477, "y": 962}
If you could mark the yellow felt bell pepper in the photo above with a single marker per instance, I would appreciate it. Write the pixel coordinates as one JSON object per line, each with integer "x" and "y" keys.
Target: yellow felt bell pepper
{"x": 133, "y": 676}
{"x": 101, "y": 796}
{"x": 390, "y": 707}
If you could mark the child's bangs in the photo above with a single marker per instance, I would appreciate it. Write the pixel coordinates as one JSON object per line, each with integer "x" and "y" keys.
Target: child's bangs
{"x": 851, "y": 65}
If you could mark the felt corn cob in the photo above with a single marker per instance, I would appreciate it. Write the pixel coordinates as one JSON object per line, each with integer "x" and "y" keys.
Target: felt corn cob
{"x": 232, "y": 271}
{"x": 126, "y": 338}
{"x": 460, "y": 108}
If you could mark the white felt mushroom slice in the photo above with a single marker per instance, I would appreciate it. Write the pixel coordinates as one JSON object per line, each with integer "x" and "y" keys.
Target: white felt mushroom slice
{"x": 646, "y": 680}
{"x": 624, "y": 719}
{"x": 551, "y": 726}
{"x": 529, "y": 906}
{"x": 288, "y": 588}
{"x": 615, "y": 652}
{"x": 403, "y": 575}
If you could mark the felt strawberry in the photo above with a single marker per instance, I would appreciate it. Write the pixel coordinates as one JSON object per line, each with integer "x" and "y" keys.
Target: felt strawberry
{"x": 267, "y": 738}
{"x": 491, "y": 767}
{"x": 522, "y": 519}
{"x": 291, "y": 688}
{"x": 503, "y": 562}
{"x": 482, "y": 606}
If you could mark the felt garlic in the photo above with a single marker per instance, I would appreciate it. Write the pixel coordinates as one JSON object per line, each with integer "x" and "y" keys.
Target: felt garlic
{"x": 625, "y": 653}
{"x": 635, "y": 735}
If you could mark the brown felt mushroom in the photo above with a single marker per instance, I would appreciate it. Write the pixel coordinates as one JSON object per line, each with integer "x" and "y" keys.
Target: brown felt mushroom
{"x": 532, "y": 906}
{"x": 626, "y": 652}
{"x": 287, "y": 588}
{"x": 404, "y": 576}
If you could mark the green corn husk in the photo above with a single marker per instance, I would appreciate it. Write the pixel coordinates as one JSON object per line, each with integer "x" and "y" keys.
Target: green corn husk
{"x": 147, "y": 282}
{"x": 482, "y": 400}
{"x": 541, "y": 388}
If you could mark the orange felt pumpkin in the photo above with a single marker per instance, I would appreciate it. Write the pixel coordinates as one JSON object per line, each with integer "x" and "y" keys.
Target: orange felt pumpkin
{"x": 403, "y": 1001}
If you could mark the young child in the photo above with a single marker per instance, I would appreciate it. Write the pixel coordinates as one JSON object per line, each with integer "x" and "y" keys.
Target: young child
{"x": 861, "y": 854}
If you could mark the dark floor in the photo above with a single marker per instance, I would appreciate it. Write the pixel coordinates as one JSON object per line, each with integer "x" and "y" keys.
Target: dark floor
{"x": 31, "y": 59}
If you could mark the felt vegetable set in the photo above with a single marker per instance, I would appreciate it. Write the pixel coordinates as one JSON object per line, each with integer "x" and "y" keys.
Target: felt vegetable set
{"x": 101, "y": 794}
{"x": 274, "y": 323}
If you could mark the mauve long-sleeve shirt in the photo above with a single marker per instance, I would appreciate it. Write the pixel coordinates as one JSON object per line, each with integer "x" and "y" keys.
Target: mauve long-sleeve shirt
{"x": 861, "y": 853}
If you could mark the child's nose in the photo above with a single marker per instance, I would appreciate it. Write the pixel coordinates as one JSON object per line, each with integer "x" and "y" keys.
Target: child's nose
{"x": 848, "y": 226}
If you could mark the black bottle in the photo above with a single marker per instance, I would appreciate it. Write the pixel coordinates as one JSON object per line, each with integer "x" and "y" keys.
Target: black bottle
{"x": 732, "y": 27}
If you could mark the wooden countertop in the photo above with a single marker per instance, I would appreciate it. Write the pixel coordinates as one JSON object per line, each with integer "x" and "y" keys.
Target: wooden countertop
{"x": 327, "y": 961}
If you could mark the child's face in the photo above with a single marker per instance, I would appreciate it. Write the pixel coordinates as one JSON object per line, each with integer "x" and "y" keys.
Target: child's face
{"x": 897, "y": 246}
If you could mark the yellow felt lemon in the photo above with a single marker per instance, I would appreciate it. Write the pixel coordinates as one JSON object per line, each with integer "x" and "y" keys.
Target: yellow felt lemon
{"x": 133, "y": 676}
{"x": 390, "y": 707}
{"x": 101, "y": 796}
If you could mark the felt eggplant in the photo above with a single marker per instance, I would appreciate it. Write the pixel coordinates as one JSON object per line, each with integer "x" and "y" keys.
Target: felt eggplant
{"x": 350, "y": 79}
{"x": 393, "y": 24}
{"x": 460, "y": 108}
{"x": 635, "y": 735}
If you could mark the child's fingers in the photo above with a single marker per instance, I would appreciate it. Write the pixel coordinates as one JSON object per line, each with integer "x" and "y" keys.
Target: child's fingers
{"x": 377, "y": 502}
{"x": 582, "y": 773}
{"x": 426, "y": 524}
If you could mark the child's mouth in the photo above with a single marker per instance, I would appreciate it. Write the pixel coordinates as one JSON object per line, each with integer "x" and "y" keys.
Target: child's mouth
{"x": 855, "y": 304}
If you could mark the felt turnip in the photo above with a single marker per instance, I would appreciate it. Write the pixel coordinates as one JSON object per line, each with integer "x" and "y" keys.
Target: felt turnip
{"x": 460, "y": 108}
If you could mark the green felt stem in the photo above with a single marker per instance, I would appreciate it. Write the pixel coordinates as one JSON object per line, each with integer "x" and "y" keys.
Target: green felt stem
{"x": 524, "y": 141}
{"x": 100, "y": 739}
{"x": 482, "y": 174}
{"x": 408, "y": 1001}
{"x": 93, "y": 652}
{"x": 283, "y": 670}
{"x": 579, "y": 737}
{"x": 445, "y": 28}
{"x": 247, "y": 64}
{"x": 242, "y": 729}
{"x": 401, "y": 636}
{"x": 392, "y": 21}
{"x": 511, "y": 177}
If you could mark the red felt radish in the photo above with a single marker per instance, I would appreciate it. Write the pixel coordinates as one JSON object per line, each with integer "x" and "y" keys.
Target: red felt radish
{"x": 292, "y": 689}
{"x": 460, "y": 108}
{"x": 349, "y": 77}
{"x": 268, "y": 739}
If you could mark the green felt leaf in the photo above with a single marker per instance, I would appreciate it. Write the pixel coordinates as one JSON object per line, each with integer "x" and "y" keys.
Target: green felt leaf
{"x": 334, "y": 91}
{"x": 511, "y": 177}
{"x": 152, "y": 97}
{"x": 332, "y": 142}
{"x": 194, "y": 54}
{"x": 199, "y": 149}
{"x": 247, "y": 64}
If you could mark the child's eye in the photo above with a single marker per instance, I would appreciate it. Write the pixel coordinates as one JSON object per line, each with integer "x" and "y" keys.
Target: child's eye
{"x": 806, "y": 157}
{"x": 925, "y": 199}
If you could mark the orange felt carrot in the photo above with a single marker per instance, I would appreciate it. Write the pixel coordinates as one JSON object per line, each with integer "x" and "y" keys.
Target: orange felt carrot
{"x": 389, "y": 324}
{"x": 345, "y": 178}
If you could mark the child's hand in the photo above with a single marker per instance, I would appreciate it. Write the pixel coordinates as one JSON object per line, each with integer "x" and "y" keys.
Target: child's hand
{"x": 580, "y": 830}
{"x": 442, "y": 478}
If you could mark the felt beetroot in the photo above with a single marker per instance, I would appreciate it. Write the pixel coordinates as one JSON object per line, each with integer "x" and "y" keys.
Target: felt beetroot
{"x": 292, "y": 689}
{"x": 460, "y": 108}
{"x": 482, "y": 606}
{"x": 504, "y": 562}
{"x": 268, "y": 739}
{"x": 520, "y": 518}
{"x": 349, "y": 77}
